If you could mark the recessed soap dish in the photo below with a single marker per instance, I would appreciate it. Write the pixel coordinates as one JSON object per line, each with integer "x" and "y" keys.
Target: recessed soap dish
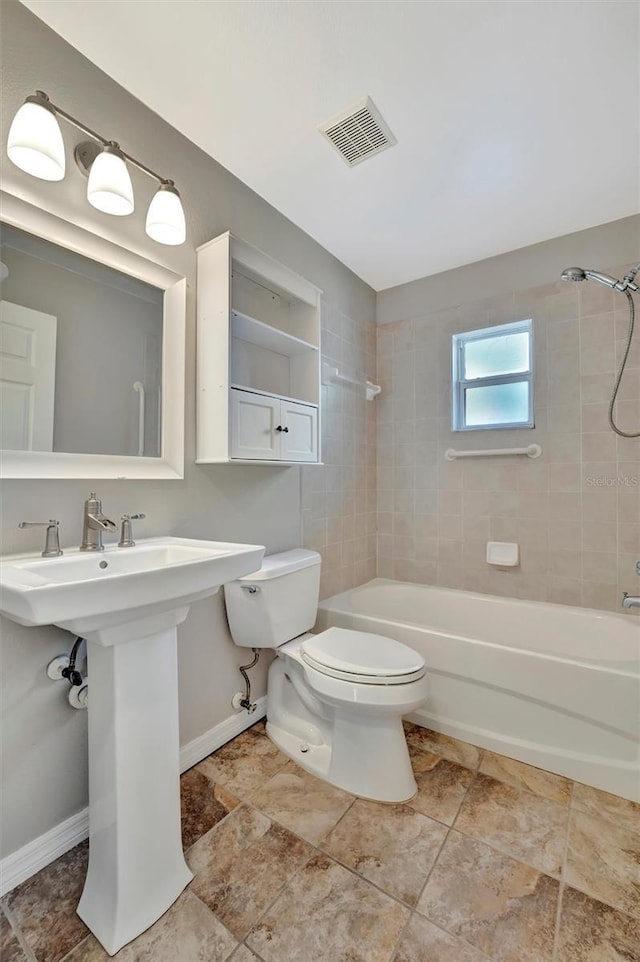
{"x": 504, "y": 554}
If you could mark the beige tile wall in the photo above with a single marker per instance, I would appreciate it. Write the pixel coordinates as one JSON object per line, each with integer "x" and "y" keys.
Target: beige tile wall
{"x": 339, "y": 498}
{"x": 575, "y": 512}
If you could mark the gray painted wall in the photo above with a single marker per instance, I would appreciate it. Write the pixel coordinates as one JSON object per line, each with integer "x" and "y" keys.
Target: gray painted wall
{"x": 44, "y": 762}
{"x": 614, "y": 243}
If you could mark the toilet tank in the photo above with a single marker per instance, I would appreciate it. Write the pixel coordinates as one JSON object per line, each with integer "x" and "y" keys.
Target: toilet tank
{"x": 271, "y": 606}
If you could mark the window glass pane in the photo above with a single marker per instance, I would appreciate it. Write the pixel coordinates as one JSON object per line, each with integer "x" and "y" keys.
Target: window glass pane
{"x": 497, "y": 404}
{"x": 501, "y": 354}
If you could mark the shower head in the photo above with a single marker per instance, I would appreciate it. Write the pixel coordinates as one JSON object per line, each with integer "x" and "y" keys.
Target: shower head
{"x": 573, "y": 274}
{"x": 580, "y": 274}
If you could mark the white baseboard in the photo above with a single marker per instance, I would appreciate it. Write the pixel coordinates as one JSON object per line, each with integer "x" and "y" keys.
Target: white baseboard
{"x": 193, "y": 752}
{"x": 33, "y": 856}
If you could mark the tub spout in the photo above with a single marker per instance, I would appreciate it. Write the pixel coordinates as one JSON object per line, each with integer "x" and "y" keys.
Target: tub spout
{"x": 629, "y": 601}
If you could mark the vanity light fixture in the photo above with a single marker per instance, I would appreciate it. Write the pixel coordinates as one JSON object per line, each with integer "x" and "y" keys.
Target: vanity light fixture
{"x": 165, "y": 217}
{"x": 35, "y": 145}
{"x": 109, "y": 188}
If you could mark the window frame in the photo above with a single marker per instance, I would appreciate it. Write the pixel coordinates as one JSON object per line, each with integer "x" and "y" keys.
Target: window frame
{"x": 460, "y": 385}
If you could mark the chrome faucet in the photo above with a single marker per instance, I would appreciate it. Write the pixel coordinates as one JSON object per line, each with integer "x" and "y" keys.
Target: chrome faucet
{"x": 629, "y": 601}
{"x": 94, "y": 523}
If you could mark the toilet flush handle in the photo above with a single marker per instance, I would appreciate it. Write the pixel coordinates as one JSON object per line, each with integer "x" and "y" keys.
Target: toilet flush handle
{"x": 251, "y": 589}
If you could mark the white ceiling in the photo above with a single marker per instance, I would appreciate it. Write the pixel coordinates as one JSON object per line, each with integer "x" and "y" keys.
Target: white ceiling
{"x": 516, "y": 120}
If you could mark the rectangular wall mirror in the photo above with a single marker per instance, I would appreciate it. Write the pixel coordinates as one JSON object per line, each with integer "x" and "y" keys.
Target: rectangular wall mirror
{"x": 91, "y": 354}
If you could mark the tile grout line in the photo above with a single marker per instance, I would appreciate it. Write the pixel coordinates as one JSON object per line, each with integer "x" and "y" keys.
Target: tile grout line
{"x": 288, "y": 881}
{"x": 525, "y": 791}
{"x": 476, "y": 772}
{"x": 239, "y": 942}
{"x": 17, "y": 931}
{"x": 579, "y": 886}
{"x": 450, "y": 828}
{"x": 452, "y": 935}
{"x": 511, "y": 856}
{"x": 318, "y": 850}
{"x": 435, "y": 861}
{"x": 241, "y": 801}
{"x": 556, "y": 933}
{"x": 242, "y": 940}
{"x": 397, "y": 942}
{"x": 249, "y": 804}
{"x": 332, "y": 858}
{"x": 242, "y": 944}
{"x": 335, "y": 859}
{"x": 86, "y": 938}
{"x": 354, "y": 799}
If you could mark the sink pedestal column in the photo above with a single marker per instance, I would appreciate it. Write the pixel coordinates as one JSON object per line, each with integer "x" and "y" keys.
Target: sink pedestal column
{"x": 136, "y": 865}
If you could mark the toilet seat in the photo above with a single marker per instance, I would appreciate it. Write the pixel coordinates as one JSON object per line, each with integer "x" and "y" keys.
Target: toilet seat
{"x": 361, "y": 657}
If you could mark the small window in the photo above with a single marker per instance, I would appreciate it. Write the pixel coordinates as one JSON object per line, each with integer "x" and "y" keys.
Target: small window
{"x": 493, "y": 378}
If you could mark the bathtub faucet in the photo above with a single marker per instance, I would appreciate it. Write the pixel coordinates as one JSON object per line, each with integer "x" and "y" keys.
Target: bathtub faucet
{"x": 629, "y": 601}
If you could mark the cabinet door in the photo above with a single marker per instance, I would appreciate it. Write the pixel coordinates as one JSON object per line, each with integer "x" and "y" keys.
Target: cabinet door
{"x": 299, "y": 439}
{"x": 254, "y": 419}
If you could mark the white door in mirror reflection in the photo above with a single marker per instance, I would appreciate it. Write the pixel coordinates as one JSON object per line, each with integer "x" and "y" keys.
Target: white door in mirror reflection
{"x": 27, "y": 378}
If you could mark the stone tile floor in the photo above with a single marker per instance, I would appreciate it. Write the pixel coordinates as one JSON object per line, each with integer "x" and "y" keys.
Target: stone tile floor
{"x": 492, "y": 861}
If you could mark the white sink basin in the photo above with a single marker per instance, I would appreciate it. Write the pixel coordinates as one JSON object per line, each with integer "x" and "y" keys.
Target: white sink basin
{"x": 87, "y": 592}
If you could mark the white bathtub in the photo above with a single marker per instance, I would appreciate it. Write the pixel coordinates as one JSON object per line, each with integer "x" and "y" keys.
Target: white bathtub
{"x": 554, "y": 686}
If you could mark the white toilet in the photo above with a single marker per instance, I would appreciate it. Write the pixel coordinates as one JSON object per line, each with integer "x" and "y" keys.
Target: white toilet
{"x": 335, "y": 700}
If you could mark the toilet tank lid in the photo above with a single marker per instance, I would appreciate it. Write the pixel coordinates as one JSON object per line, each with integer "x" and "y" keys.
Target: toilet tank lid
{"x": 276, "y": 565}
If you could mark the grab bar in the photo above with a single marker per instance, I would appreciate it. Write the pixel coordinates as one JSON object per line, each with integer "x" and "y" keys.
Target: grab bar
{"x": 531, "y": 451}
{"x": 139, "y": 388}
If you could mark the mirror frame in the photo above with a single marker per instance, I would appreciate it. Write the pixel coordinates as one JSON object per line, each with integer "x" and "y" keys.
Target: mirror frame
{"x": 55, "y": 464}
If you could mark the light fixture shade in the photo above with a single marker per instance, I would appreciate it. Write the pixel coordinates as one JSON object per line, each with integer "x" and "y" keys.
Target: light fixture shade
{"x": 165, "y": 217}
{"x": 109, "y": 188}
{"x": 35, "y": 142}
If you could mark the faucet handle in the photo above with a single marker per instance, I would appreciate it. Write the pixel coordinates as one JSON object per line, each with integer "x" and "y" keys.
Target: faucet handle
{"x": 126, "y": 533}
{"x": 52, "y": 539}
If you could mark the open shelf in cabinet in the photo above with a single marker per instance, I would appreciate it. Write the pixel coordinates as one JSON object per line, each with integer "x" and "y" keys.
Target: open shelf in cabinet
{"x": 249, "y": 329}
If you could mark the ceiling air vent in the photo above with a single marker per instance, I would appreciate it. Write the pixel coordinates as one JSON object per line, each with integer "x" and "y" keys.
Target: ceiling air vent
{"x": 358, "y": 133}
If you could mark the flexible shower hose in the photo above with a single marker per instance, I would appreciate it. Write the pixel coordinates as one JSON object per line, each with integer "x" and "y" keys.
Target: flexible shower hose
{"x": 623, "y": 434}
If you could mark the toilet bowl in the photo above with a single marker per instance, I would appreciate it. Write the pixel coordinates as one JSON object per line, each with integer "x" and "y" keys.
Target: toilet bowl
{"x": 335, "y": 700}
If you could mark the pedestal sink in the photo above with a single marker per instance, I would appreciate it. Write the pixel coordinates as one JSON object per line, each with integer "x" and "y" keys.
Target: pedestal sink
{"x": 127, "y": 603}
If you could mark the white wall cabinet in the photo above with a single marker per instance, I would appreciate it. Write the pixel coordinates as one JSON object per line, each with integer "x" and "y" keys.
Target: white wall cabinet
{"x": 258, "y": 358}
{"x": 265, "y": 428}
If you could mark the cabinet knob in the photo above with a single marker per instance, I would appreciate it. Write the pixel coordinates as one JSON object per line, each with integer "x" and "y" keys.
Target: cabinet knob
{"x": 284, "y": 430}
